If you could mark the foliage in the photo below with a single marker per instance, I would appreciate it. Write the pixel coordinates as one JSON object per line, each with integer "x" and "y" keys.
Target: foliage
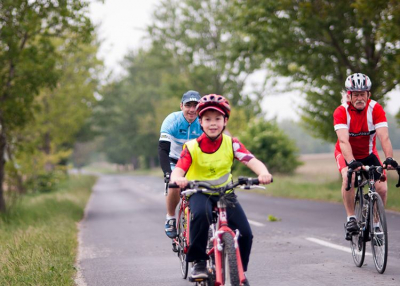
{"x": 319, "y": 43}
{"x": 43, "y": 146}
{"x": 38, "y": 235}
{"x": 192, "y": 47}
{"x": 132, "y": 109}
{"x": 28, "y": 58}
{"x": 271, "y": 146}
{"x": 394, "y": 133}
{"x": 210, "y": 54}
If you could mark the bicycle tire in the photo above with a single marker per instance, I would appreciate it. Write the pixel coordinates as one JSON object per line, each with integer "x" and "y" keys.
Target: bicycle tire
{"x": 230, "y": 273}
{"x": 182, "y": 243}
{"x": 357, "y": 242}
{"x": 379, "y": 240}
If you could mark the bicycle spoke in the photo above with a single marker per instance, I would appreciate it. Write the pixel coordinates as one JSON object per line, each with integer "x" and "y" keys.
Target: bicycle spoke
{"x": 182, "y": 243}
{"x": 357, "y": 242}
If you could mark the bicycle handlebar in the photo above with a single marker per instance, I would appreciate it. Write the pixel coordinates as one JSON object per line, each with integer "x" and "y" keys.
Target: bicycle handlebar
{"x": 196, "y": 186}
{"x": 369, "y": 169}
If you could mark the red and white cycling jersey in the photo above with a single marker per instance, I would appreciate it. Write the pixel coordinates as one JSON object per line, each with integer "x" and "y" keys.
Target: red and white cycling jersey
{"x": 362, "y": 127}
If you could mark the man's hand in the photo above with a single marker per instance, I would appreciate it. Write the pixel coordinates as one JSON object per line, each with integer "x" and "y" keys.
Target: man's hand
{"x": 390, "y": 163}
{"x": 354, "y": 165}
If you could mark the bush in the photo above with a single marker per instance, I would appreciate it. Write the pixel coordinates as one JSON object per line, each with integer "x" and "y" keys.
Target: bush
{"x": 45, "y": 182}
{"x": 271, "y": 146}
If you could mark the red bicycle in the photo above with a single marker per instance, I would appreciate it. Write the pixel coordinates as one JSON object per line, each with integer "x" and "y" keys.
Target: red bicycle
{"x": 225, "y": 264}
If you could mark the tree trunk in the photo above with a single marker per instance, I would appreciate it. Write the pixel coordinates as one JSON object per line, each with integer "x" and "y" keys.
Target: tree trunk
{"x": 47, "y": 139}
{"x": 47, "y": 150}
{"x": 3, "y": 143}
{"x": 19, "y": 181}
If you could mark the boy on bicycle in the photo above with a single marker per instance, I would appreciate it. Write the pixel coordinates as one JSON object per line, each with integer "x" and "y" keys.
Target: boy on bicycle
{"x": 209, "y": 158}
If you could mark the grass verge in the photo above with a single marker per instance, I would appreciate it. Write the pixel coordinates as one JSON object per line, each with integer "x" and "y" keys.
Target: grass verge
{"x": 321, "y": 189}
{"x": 38, "y": 236}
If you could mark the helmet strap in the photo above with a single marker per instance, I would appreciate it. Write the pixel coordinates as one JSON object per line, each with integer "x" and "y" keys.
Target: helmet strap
{"x": 213, "y": 138}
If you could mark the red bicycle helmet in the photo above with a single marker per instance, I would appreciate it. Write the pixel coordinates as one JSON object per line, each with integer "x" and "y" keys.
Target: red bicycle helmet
{"x": 214, "y": 101}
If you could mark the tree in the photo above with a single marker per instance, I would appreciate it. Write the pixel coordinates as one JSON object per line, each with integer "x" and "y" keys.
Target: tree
{"x": 28, "y": 57}
{"x": 210, "y": 54}
{"x": 132, "y": 109}
{"x": 58, "y": 114}
{"x": 319, "y": 43}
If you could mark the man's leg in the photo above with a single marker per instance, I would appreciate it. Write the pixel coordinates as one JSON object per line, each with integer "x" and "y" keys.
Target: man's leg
{"x": 172, "y": 200}
{"x": 351, "y": 225}
{"x": 381, "y": 188}
{"x": 348, "y": 196}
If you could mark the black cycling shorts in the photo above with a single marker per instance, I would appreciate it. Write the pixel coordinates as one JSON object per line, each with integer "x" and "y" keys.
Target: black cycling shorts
{"x": 372, "y": 159}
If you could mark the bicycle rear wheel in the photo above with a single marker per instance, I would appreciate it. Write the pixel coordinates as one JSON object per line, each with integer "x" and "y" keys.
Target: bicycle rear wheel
{"x": 357, "y": 242}
{"x": 230, "y": 273}
{"x": 379, "y": 237}
{"x": 182, "y": 242}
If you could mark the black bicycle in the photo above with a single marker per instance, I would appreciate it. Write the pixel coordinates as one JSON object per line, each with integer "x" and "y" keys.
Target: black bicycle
{"x": 371, "y": 218}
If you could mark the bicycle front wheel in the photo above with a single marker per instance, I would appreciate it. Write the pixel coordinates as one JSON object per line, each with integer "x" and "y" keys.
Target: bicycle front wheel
{"x": 357, "y": 242}
{"x": 181, "y": 228}
{"x": 379, "y": 236}
{"x": 230, "y": 273}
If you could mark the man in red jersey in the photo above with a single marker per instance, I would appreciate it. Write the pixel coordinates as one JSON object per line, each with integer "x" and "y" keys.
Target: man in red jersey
{"x": 357, "y": 122}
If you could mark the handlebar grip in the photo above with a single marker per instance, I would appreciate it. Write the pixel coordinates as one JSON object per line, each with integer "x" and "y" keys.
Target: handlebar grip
{"x": 173, "y": 185}
{"x": 398, "y": 172}
{"x": 349, "y": 175}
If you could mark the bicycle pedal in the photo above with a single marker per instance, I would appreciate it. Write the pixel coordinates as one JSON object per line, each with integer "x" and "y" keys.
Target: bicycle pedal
{"x": 193, "y": 280}
{"x": 174, "y": 247}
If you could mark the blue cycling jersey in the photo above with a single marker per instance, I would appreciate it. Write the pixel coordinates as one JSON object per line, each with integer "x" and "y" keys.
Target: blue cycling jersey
{"x": 177, "y": 130}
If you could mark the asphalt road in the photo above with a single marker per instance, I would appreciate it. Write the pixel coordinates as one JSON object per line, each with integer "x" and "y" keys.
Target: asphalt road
{"x": 122, "y": 240}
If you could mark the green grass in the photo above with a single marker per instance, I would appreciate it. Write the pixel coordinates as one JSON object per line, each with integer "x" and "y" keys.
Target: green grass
{"x": 38, "y": 236}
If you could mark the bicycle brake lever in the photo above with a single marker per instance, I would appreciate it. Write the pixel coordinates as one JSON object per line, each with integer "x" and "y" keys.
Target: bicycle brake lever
{"x": 252, "y": 187}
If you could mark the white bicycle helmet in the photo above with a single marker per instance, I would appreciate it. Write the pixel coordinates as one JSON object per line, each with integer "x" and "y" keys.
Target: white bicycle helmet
{"x": 358, "y": 82}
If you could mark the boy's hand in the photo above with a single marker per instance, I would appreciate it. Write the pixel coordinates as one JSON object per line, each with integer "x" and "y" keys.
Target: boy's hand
{"x": 265, "y": 179}
{"x": 181, "y": 182}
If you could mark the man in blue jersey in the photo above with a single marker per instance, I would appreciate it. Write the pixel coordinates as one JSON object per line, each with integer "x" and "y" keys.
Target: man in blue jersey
{"x": 177, "y": 128}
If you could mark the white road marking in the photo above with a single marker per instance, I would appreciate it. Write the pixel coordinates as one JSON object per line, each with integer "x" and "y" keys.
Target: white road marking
{"x": 256, "y": 223}
{"x": 331, "y": 245}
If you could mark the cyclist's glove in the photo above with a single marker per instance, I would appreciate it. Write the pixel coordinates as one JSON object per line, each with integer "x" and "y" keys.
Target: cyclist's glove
{"x": 353, "y": 164}
{"x": 390, "y": 161}
{"x": 167, "y": 177}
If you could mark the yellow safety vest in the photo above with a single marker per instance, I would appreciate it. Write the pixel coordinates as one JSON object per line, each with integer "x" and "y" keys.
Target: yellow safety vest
{"x": 214, "y": 168}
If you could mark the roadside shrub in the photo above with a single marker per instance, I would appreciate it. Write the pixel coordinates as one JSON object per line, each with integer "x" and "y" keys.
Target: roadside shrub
{"x": 270, "y": 145}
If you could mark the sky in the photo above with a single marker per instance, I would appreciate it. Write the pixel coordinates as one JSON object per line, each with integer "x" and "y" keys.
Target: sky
{"x": 122, "y": 28}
